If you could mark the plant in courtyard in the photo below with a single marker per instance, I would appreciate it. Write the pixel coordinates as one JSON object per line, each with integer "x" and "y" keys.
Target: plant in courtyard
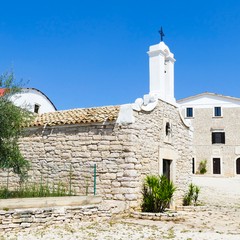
{"x": 191, "y": 196}
{"x": 157, "y": 193}
{"x": 35, "y": 190}
{"x": 11, "y": 121}
{"x": 203, "y": 167}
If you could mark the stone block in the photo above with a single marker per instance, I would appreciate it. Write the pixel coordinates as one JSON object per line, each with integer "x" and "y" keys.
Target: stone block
{"x": 92, "y": 147}
{"x": 109, "y": 176}
{"x": 6, "y": 221}
{"x": 130, "y": 184}
{"x": 116, "y": 184}
{"x": 26, "y": 220}
{"x": 130, "y": 160}
{"x": 103, "y": 147}
{"x": 130, "y": 173}
{"x": 109, "y": 138}
{"x": 66, "y": 155}
{"x": 115, "y": 147}
{"x": 105, "y": 154}
{"x": 4, "y": 226}
{"x": 123, "y": 190}
{"x": 13, "y": 225}
{"x": 126, "y": 166}
{"x": 25, "y": 225}
{"x": 16, "y": 220}
{"x": 130, "y": 197}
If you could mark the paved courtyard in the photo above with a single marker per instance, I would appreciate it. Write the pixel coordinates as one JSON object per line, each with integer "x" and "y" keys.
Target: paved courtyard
{"x": 220, "y": 219}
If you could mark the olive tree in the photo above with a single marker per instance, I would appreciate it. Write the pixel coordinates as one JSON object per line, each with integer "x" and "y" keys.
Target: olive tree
{"x": 12, "y": 120}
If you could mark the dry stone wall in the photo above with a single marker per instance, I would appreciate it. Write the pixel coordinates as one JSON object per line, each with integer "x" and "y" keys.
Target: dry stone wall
{"x": 56, "y": 153}
{"x": 152, "y": 145}
{"x": 18, "y": 219}
{"x": 124, "y": 154}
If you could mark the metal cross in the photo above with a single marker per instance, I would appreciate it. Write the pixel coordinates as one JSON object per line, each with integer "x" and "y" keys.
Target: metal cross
{"x": 161, "y": 34}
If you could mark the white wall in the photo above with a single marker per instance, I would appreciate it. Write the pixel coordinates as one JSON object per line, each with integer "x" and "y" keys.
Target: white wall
{"x": 209, "y": 100}
{"x": 29, "y": 97}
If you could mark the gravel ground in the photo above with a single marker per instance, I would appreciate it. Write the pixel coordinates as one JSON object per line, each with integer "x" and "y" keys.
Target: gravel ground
{"x": 220, "y": 220}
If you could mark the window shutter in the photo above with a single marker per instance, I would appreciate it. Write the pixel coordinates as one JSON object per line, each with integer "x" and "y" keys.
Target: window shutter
{"x": 223, "y": 137}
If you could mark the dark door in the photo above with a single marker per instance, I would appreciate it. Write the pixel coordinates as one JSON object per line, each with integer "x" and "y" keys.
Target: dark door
{"x": 167, "y": 168}
{"x": 216, "y": 166}
{"x": 193, "y": 166}
{"x": 238, "y": 166}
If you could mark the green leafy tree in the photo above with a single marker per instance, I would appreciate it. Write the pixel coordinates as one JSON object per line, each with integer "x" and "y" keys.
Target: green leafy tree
{"x": 12, "y": 120}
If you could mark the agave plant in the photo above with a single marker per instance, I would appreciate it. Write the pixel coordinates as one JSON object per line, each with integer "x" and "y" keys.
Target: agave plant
{"x": 157, "y": 193}
{"x": 191, "y": 197}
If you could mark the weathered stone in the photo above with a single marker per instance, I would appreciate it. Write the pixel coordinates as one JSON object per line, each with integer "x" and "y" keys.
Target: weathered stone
{"x": 13, "y": 225}
{"x": 25, "y": 225}
{"x": 130, "y": 173}
{"x": 108, "y": 176}
{"x": 16, "y": 220}
{"x": 116, "y": 184}
{"x": 124, "y": 154}
{"x": 131, "y": 197}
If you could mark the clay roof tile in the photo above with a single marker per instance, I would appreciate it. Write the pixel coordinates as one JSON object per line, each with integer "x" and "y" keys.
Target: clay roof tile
{"x": 77, "y": 116}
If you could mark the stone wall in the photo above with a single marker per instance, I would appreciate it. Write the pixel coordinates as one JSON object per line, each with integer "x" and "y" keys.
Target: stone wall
{"x": 17, "y": 219}
{"x": 57, "y": 152}
{"x": 124, "y": 154}
{"x": 152, "y": 145}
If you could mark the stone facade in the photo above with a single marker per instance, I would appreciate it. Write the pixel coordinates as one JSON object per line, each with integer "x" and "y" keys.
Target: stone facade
{"x": 205, "y": 123}
{"x": 124, "y": 154}
{"x": 126, "y": 143}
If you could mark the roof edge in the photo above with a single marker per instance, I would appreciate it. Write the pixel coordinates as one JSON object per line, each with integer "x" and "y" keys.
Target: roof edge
{"x": 209, "y": 94}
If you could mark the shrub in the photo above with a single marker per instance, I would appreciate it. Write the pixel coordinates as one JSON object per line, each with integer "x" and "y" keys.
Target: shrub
{"x": 203, "y": 167}
{"x": 157, "y": 193}
{"x": 35, "y": 190}
{"x": 191, "y": 196}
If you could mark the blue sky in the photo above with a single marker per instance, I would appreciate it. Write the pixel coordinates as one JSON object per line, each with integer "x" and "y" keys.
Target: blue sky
{"x": 93, "y": 53}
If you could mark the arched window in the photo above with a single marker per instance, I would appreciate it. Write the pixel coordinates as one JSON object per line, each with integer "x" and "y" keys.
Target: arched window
{"x": 238, "y": 166}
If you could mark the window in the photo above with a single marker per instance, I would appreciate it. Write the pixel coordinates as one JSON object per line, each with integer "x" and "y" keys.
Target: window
{"x": 193, "y": 165}
{"x": 218, "y": 137}
{"x": 189, "y": 112}
{"x": 36, "y": 108}
{"x": 217, "y": 112}
{"x": 167, "y": 129}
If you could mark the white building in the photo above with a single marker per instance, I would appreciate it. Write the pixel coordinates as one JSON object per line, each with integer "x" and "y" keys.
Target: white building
{"x": 33, "y": 100}
{"x": 216, "y": 128}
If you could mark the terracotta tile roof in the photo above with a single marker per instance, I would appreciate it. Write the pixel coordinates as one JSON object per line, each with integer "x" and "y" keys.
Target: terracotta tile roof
{"x": 76, "y": 116}
{"x": 2, "y": 91}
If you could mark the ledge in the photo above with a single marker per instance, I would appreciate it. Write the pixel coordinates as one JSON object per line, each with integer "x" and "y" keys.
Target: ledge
{"x": 166, "y": 216}
{"x": 192, "y": 208}
{"x": 16, "y": 203}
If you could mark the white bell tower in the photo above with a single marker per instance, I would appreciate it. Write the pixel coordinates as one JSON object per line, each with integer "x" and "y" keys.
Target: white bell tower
{"x": 161, "y": 69}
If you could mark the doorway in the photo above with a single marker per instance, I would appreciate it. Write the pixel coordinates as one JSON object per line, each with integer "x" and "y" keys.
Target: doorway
{"x": 167, "y": 168}
{"x": 216, "y": 166}
{"x": 238, "y": 166}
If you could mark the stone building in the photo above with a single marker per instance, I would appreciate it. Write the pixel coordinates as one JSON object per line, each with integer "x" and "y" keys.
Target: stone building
{"x": 125, "y": 142}
{"x": 214, "y": 119}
